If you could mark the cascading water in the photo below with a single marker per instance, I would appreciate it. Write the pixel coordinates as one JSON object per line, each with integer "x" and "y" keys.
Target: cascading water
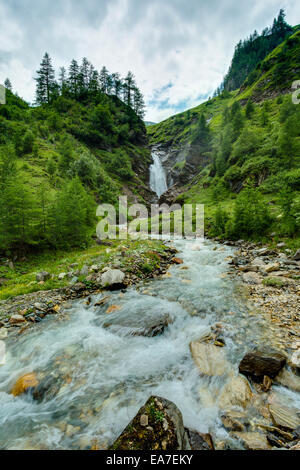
{"x": 158, "y": 181}
{"x": 103, "y": 373}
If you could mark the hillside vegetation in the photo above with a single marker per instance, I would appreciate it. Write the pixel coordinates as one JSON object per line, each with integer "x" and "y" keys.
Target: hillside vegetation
{"x": 251, "y": 184}
{"x": 78, "y": 147}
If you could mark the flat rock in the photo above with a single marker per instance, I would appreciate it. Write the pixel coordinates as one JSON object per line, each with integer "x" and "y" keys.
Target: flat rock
{"x": 260, "y": 363}
{"x": 253, "y": 440}
{"x": 236, "y": 393}
{"x": 284, "y": 416}
{"x": 16, "y": 319}
{"x": 209, "y": 359}
{"x": 165, "y": 430}
{"x": 134, "y": 323}
{"x": 252, "y": 278}
{"x": 271, "y": 268}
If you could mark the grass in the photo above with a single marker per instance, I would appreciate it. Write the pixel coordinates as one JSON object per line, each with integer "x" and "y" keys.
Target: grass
{"x": 22, "y": 280}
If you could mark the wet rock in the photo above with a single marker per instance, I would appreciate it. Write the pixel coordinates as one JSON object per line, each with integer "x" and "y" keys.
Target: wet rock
{"x": 3, "y": 333}
{"x": 134, "y": 324}
{"x": 234, "y": 421}
{"x": 48, "y": 388}
{"x": 253, "y": 440}
{"x": 294, "y": 361}
{"x": 260, "y": 363}
{"x": 2, "y": 353}
{"x": 284, "y": 416}
{"x": 264, "y": 252}
{"x": 209, "y": 359}
{"x": 43, "y": 276}
{"x": 16, "y": 320}
{"x": 199, "y": 441}
{"x": 113, "y": 279}
{"x": 236, "y": 393}
{"x": 287, "y": 379}
{"x": 155, "y": 436}
{"x": 177, "y": 261}
{"x": 24, "y": 384}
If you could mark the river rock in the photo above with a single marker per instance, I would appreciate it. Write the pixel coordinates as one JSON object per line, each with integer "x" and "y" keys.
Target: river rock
{"x": 253, "y": 440}
{"x": 252, "y": 278}
{"x": 24, "y": 384}
{"x": 271, "y": 268}
{"x": 297, "y": 255}
{"x": 295, "y": 361}
{"x": 209, "y": 359}
{"x": 47, "y": 388}
{"x": 62, "y": 276}
{"x": 284, "y": 416}
{"x": 287, "y": 379}
{"x": 177, "y": 261}
{"x": 113, "y": 278}
{"x": 135, "y": 324}
{"x": 157, "y": 436}
{"x": 2, "y": 353}
{"x": 16, "y": 319}
{"x": 260, "y": 363}
{"x": 43, "y": 276}
{"x": 3, "y": 333}
{"x": 199, "y": 441}
{"x": 236, "y": 393}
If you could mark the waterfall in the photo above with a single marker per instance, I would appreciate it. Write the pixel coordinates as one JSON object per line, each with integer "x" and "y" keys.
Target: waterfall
{"x": 158, "y": 181}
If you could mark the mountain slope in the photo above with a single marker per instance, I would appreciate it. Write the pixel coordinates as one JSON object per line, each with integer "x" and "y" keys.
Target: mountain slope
{"x": 247, "y": 138}
{"x": 58, "y": 155}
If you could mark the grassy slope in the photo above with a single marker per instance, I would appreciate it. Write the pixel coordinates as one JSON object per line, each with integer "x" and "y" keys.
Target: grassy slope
{"x": 274, "y": 77}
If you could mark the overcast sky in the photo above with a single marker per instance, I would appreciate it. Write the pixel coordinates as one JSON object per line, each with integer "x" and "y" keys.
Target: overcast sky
{"x": 179, "y": 50}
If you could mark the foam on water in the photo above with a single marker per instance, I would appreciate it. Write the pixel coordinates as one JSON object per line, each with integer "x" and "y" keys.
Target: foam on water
{"x": 111, "y": 374}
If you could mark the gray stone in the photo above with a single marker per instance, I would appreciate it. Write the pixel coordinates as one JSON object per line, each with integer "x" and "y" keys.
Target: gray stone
{"x": 112, "y": 278}
{"x": 297, "y": 255}
{"x": 43, "y": 276}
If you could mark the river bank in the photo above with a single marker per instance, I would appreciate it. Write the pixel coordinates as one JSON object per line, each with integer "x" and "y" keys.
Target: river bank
{"x": 99, "y": 360}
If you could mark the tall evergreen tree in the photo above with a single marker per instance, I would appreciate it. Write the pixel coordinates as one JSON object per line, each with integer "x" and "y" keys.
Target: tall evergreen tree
{"x": 8, "y": 84}
{"x": 73, "y": 79}
{"x": 128, "y": 87}
{"x": 45, "y": 81}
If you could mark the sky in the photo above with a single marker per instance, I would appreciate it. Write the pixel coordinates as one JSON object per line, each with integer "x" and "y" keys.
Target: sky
{"x": 178, "y": 50}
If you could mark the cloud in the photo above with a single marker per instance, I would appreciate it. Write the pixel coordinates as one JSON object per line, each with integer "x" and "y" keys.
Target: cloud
{"x": 185, "y": 43}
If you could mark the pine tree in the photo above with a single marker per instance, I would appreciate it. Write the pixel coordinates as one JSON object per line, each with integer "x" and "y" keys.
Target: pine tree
{"x": 128, "y": 87}
{"x": 103, "y": 79}
{"x": 73, "y": 79}
{"x": 45, "y": 81}
{"x": 249, "y": 109}
{"x": 8, "y": 84}
{"x": 63, "y": 80}
{"x": 138, "y": 103}
{"x": 117, "y": 84}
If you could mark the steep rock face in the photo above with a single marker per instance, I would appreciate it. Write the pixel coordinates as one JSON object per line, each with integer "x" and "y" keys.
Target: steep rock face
{"x": 181, "y": 163}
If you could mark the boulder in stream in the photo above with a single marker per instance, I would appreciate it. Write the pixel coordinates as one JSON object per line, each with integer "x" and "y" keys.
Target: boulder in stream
{"x": 209, "y": 359}
{"x": 165, "y": 430}
{"x": 236, "y": 393}
{"x": 260, "y": 363}
{"x": 137, "y": 324}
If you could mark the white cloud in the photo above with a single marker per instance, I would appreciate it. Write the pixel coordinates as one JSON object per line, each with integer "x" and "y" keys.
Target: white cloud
{"x": 186, "y": 43}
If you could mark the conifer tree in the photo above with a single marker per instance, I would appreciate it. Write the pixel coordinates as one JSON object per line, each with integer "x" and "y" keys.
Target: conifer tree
{"x": 45, "y": 81}
{"x": 8, "y": 84}
{"x": 73, "y": 79}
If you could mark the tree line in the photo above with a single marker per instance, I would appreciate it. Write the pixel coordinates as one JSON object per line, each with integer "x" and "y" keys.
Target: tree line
{"x": 82, "y": 81}
{"x": 251, "y": 51}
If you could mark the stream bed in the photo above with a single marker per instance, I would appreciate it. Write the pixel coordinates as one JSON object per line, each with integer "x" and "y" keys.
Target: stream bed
{"x": 103, "y": 373}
